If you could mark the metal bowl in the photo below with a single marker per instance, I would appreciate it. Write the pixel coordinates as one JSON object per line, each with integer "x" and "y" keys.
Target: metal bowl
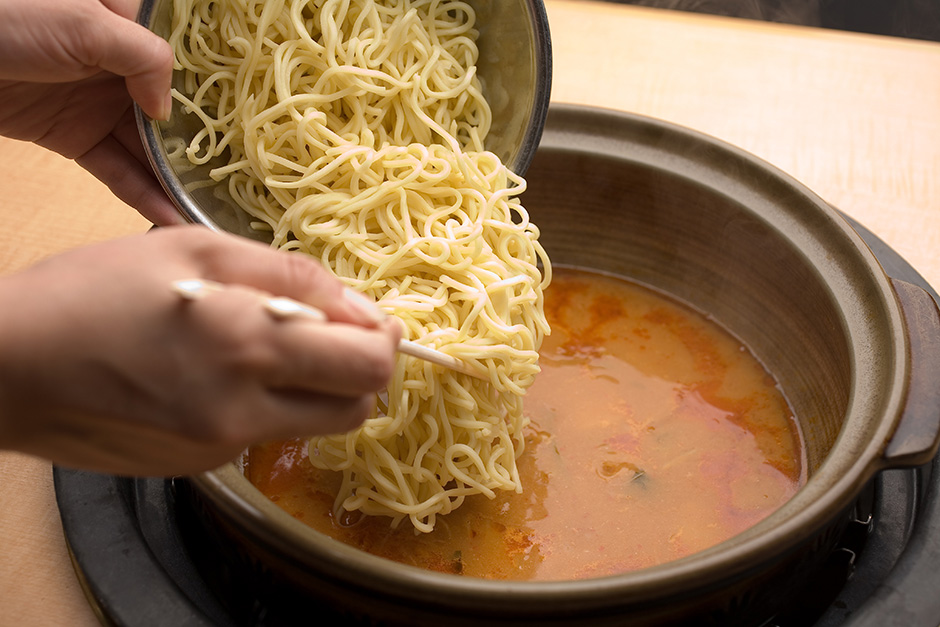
{"x": 856, "y": 352}
{"x": 515, "y": 68}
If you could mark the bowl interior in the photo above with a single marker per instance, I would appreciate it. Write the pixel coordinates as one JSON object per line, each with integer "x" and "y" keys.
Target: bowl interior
{"x": 514, "y": 68}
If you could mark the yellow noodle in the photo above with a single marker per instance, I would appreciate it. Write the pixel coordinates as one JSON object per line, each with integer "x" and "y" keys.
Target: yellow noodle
{"x": 354, "y": 131}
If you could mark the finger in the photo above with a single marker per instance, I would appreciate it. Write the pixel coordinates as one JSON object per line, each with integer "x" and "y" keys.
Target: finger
{"x": 125, "y": 8}
{"x": 154, "y": 202}
{"x": 340, "y": 359}
{"x": 279, "y": 414}
{"x": 128, "y": 135}
{"x": 318, "y": 356}
{"x": 301, "y": 414}
{"x": 120, "y": 46}
{"x": 130, "y": 180}
{"x": 234, "y": 260}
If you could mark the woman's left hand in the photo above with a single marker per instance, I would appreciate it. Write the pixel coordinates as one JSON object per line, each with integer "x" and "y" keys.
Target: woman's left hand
{"x": 69, "y": 73}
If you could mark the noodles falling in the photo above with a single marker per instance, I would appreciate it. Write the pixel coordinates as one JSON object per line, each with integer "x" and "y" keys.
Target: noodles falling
{"x": 354, "y": 131}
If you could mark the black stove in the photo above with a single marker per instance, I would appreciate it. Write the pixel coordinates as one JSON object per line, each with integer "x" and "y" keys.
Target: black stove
{"x": 138, "y": 556}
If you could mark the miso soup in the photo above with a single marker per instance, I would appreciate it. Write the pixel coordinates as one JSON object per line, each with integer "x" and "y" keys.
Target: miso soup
{"x": 654, "y": 434}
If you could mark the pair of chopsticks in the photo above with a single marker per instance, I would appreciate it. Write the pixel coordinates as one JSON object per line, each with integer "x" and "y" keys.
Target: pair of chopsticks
{"x": 281, "y": 306}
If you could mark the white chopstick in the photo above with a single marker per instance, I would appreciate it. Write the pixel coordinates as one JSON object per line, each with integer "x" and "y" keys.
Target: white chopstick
{"x": 192, "y": 289}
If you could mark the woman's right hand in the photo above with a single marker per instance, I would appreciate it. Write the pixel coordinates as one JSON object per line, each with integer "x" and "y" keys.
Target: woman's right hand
{"x": 104, "y": 367}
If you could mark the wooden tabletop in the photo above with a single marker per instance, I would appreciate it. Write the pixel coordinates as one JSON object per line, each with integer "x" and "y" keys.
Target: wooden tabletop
{"x": 854, "y": 117}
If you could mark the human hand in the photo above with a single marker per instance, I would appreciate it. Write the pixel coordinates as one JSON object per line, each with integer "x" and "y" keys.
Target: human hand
{"x": 104, "y": 367}
{"x": 69, "y": 70}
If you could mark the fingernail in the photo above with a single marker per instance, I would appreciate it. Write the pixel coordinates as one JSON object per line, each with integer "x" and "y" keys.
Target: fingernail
{"x": 167, "y": 106}
{"x": 361, "y": 303}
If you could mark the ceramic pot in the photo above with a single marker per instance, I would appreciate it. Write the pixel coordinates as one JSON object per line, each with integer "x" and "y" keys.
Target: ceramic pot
{"x": 856, "y": 353}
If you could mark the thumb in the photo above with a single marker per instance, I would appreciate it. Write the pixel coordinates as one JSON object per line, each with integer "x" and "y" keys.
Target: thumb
{"x": 145, "y": 60}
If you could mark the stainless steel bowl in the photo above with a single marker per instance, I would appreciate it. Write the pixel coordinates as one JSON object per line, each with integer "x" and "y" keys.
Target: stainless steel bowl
{"x": 514, "y": 66}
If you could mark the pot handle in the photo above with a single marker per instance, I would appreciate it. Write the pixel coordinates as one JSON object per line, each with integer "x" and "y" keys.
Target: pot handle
{"x": 916, "y": 439}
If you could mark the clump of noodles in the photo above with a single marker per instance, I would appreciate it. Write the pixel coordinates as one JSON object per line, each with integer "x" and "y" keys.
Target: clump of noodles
{"x": 354, "y": 131}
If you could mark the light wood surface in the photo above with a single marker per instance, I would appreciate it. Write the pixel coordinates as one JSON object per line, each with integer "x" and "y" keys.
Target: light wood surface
{"x": 854, "y": 117}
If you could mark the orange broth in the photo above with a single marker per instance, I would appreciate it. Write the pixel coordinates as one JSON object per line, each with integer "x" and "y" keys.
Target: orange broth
{"x": 654, "y": 434}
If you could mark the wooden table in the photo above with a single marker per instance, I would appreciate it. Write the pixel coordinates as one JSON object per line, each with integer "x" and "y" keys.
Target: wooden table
{"x": 855, "y": 117}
